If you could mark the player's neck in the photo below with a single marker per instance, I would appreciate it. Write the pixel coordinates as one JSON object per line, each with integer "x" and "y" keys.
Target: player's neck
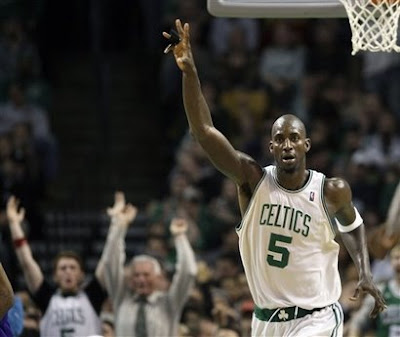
{"x": 292, "y": 180}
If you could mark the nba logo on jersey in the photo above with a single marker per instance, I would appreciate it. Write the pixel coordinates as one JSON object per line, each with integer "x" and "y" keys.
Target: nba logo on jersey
{"x": 311, "y": 196}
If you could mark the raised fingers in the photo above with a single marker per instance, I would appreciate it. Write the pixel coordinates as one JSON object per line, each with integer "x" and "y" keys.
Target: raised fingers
{"x": 179, "y": 27}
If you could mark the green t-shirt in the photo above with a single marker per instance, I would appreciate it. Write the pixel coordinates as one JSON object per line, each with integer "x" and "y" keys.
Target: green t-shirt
{"x": 389, "y": 319}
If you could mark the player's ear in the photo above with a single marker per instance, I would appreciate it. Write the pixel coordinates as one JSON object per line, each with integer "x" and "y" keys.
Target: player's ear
{"x": 307, "y": 144}
{"x": 271, "y": 146}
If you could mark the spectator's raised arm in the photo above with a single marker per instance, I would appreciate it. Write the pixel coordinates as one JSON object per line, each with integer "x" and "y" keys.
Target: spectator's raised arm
{"x": 382, "y": 239}
{"x": 112, "y": 261}
{"x": 186, "y": 267}
{"x": 32, "y": 273}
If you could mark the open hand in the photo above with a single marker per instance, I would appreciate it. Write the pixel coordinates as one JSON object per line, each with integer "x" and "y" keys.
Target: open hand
{"x": 366, "y": 285}
{"x": 182, "y": 50}
{"x": 14, "y": 215}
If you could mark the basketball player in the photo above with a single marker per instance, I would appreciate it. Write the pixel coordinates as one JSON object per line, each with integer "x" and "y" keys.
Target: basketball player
{"x": 289, "y": 218}
{"x": 69, "y": 309}
{"x": 388, "y": 322}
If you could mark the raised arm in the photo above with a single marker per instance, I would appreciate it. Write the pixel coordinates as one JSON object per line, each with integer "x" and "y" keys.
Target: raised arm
{"x": 32, "y": 273}
{"x": 392, "y": 223}
{"x": 338, "y": 197}
{"x": 113, "y": 257}
{"x": 112, "y": 212}
{"x": 384, "y": 237}
{"x": 186, "y": 267}
{"x": 219, "y": 150}
{"x": 6, "y": 293}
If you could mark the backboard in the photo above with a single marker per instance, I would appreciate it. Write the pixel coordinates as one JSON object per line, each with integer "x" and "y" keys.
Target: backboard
{"x": 277, "y": 8}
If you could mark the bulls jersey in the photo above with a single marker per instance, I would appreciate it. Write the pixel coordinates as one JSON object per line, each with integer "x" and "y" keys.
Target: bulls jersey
{"x": 287, "y": 245}
{"x": 5, "y": 329}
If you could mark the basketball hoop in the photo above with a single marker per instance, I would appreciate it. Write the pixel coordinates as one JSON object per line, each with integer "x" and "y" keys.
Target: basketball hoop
{"x": 374, "y": 24}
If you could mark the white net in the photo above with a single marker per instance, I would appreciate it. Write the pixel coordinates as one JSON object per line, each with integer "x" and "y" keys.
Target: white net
{"x": 374, "y": 24}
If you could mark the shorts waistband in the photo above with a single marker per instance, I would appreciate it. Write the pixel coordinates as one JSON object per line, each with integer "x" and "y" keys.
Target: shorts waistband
{"x": 283, "y": 314}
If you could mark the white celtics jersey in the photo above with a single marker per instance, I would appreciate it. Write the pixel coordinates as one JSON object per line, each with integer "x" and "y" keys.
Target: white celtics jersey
{"x": 70, "y": 316}
{"x": 287, "y": 245}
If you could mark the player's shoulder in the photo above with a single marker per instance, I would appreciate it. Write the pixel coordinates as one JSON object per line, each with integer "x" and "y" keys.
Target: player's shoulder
{"x": 252, "y": 172}
{"x": 247, "y": 158}
{"x": 337, "y": 183}
{"x": 252, "y": 166}
{"x": 337, "y": 189}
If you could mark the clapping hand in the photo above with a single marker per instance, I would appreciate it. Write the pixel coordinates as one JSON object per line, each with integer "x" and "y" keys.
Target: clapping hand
{"x": 178, "y": 226}
{"x": 14, "y": 215}
{"x": 121, "y": 213}
{"x": 119, "y": 204}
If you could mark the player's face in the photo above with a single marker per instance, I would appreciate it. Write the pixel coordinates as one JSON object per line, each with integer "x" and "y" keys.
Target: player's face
{"x": 289, "y": 145}
{"x": 143, "y": 278}
{"x": 68, "y": 274}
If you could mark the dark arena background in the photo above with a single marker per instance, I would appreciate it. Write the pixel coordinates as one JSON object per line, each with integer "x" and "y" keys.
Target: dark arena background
{"x": 90, "y": 105}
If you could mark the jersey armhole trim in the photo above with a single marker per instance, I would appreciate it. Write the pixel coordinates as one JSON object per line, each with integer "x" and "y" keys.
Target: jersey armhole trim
{"x": 326, "y": 208}
{"x": 240, "y": 225}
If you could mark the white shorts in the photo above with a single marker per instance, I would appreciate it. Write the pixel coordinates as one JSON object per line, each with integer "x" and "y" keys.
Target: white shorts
{"x": 326, "y": 322}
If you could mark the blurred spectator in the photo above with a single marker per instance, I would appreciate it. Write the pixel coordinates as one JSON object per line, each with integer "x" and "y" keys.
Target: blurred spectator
{"x": 137, "y": 298}
{"x": 237, "y": 65}
{"x": 205, "y": 328}
{"x": 68, "y": 295}
{"x": 326, "y": 55}
{"x": 32, "y": 315}
{"x": 191, "y": 160}
{"x": 388, "y": 321}
{"x": 381, "y": 148}
{"x": 16, "y": 316}
{"x": 18, "y": 110}
{"x": 225, "y": 206}
{"x": 163, "y": 210}
{"x": 16, "y": 52}
{"x": 21, "y": 174}
{"x": 223, "y": 31}
{"x": 381, "y": 74}
{"x": 282, "y": 66}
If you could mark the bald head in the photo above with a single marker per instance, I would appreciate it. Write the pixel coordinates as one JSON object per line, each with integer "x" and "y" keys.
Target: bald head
{"x": 289, "y": 120}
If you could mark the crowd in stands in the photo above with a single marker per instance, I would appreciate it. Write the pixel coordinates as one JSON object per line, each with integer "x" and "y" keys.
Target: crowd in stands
{"x": 28, "y": 150}
{"x": 252, "y": 71}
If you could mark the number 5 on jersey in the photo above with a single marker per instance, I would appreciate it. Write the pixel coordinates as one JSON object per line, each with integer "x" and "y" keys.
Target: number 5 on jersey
{"x": 280, "y": 258}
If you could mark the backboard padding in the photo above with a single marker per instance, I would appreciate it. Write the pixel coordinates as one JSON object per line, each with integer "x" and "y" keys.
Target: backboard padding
{"x": 276, "y": 8}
